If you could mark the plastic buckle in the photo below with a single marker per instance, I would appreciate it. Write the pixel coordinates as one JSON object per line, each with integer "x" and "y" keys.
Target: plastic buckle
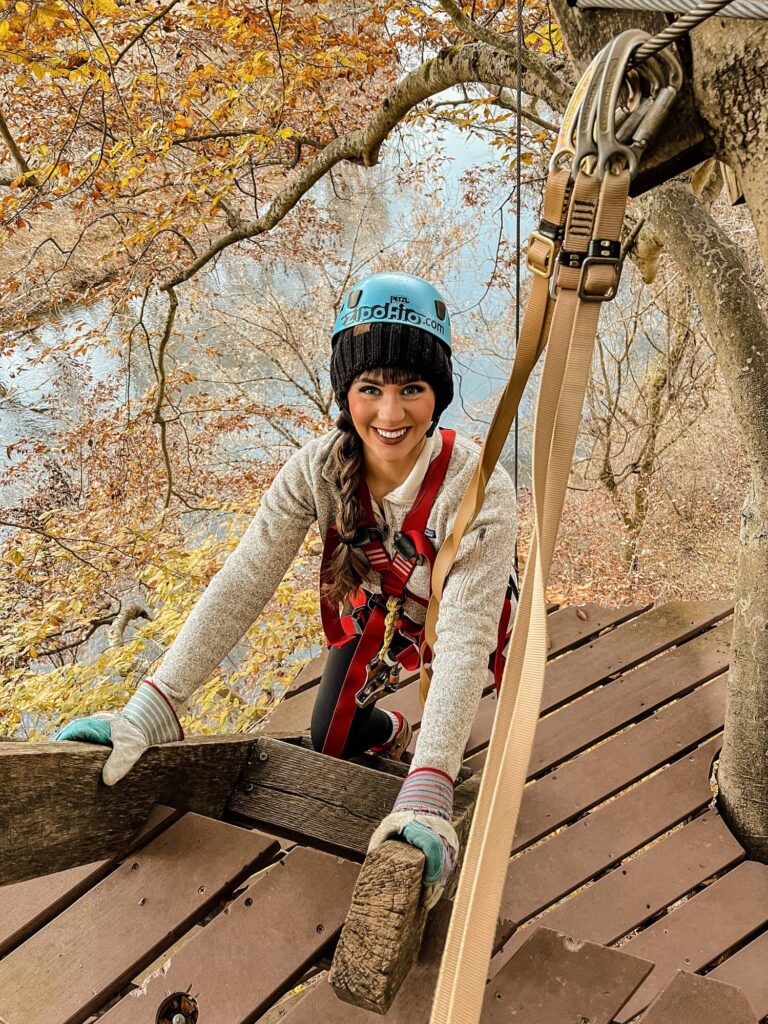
{"x": 602, "y": 253}
{"x": 365, "y": 534}
{"x": 405, "y": 546}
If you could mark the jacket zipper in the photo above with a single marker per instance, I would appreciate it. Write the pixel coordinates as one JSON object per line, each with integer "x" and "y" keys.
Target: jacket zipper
{"x": 474, "y": 558}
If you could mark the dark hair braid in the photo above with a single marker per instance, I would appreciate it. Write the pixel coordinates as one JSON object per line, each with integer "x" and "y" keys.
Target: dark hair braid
{"x": 348, "y": 566}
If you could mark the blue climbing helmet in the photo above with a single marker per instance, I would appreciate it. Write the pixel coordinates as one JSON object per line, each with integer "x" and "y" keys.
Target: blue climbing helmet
{"x": 397, "y": 320}
{"x": 392, "y": 297}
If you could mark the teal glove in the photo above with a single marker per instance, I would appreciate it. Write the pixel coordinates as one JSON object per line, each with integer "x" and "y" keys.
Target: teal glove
{"x": 422, "y": 817}
{"x": 437, "y": 851}
{"x": 148, "y": 718}
{"x": 88, "y": 730}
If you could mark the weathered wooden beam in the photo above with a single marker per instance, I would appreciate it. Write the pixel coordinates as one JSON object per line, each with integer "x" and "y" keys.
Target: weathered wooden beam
{"x": 318, "y": 800}
{"x": 381, "y": 937}
{"x": 56, "y": 813}
{"x": 683, "y": 141}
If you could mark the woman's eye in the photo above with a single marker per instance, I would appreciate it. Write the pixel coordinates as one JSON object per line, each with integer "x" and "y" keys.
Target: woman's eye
{"x": 369, "y": 389}
{"x": 414, "y": 389}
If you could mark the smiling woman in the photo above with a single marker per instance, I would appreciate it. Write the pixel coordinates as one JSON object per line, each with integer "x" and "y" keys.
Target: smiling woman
{"x": 392, "y": 421}
{"x": 384, "y": 487}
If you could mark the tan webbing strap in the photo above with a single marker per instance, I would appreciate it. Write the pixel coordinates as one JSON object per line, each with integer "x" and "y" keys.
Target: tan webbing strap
{"x": 595, "y": 211}
{"x": 533, "y": 336}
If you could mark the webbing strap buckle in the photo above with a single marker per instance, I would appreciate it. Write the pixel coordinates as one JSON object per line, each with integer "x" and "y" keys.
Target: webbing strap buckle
{"x": 603, "y": 252}
{"x": 549, "y": 256}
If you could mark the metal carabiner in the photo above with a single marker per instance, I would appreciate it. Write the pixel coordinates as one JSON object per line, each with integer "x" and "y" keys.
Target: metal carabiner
{"x": 585, "y": 146}
{"x": 614, "y": 75}
{"x": 565, "y": 144}
{"x": 671, "y": 79}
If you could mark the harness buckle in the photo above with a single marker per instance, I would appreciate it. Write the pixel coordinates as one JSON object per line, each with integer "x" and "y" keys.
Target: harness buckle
{"x": 405, "y": 546}
{"x": 381, "y": 677}
{"x": 549, "y": 256}
{"x": 603, "y": 252}
{"x": 366, "y": 534}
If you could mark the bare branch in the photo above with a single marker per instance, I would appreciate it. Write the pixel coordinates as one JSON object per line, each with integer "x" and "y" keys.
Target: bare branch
{"x": 21, "y": 164}
{"x": 140, "y": 35}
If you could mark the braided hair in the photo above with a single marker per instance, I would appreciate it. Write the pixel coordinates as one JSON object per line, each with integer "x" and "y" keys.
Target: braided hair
{"x": 348, "y": 566}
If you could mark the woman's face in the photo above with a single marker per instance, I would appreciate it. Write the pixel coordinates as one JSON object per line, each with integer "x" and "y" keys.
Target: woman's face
{"x": 391, "y": 419}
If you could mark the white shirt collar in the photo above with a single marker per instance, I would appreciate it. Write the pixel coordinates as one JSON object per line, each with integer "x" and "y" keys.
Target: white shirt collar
{"x": 408, "y": 490}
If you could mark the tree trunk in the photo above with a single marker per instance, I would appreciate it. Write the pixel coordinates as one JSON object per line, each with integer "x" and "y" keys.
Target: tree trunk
{"x": 730, "y": 82}
{"x": 738, "y": 331}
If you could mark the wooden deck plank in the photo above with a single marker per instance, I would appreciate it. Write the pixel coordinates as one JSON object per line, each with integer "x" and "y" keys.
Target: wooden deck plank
{"x": 257, "y": 947}
{"x": 56, "y": 813}
{"x": 577, "y": 726}
{"x": 559, "y": 980}
{"x": 599, "y": 773}
{"x": 85, "y": 955}
{"x": 691, "y": 999}
{"x": 694, "y": 934}
{"x": 599, "y": 841}
{"x": 636, "y": 891}
{"x": 572, "y": 626}
{"x": 590, "y": 667}
{"x": 27, "y": 906}
{"x": 627, "y": 646}
{"x": 747, "y": 969}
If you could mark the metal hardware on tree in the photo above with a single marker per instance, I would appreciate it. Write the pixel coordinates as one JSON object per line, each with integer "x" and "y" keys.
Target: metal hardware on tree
{"x": 681, "y": 27}
{"x": 757, "y": 9}
{"x": 575, "y": 256}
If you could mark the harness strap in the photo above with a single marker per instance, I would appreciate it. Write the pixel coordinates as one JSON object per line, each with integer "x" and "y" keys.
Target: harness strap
{"x": 596, "y": 211}
{"x": 394, "y": 572}
{"x": 534, "y": 331}
{"x": 344, "y": 712}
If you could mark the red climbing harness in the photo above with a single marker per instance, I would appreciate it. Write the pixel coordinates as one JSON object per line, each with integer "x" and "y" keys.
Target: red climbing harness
{"x": 368, "y": 676}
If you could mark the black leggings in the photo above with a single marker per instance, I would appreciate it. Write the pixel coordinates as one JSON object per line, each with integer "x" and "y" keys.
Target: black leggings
{"x": 370, "y": 727}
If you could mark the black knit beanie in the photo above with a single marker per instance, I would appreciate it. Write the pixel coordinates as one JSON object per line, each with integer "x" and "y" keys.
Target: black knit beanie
{"x": 381, "y": 345}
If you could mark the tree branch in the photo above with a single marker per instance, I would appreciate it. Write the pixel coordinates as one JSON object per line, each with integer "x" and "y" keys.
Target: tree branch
{"x": 554, "y": 74}
{"x": 139, "y": 35}
{"x": 21, "y": 164}
{"x": 474, "y": 62}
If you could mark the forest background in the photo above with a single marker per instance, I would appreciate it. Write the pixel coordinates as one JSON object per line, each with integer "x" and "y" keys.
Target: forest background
{"x": 153, "y": 379}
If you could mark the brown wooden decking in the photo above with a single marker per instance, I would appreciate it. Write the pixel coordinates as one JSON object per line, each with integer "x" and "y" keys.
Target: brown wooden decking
{"x": 618, "y": 848}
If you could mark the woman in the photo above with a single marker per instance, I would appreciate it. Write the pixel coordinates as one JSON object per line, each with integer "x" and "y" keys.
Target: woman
{"x": 384, "y": 487}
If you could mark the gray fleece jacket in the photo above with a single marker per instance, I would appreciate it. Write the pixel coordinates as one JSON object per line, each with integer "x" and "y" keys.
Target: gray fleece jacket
{"x": 303, "y": 492}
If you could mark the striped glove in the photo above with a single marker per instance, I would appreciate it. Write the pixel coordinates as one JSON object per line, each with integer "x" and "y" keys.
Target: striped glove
{"x": 422, "y": 817}
{"x": 148, "y": 718}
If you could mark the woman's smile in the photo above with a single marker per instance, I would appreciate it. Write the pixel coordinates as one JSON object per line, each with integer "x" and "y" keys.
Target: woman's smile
{"x": 390, "y": 437}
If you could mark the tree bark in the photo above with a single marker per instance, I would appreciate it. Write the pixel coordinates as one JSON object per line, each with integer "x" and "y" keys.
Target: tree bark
{"x": 729, "y": 65}
{"x": 731, "y": 88}
{"x": 738, "y": 331}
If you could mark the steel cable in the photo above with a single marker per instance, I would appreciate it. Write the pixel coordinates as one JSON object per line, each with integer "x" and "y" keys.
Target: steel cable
{"x": 757, "y": 9}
